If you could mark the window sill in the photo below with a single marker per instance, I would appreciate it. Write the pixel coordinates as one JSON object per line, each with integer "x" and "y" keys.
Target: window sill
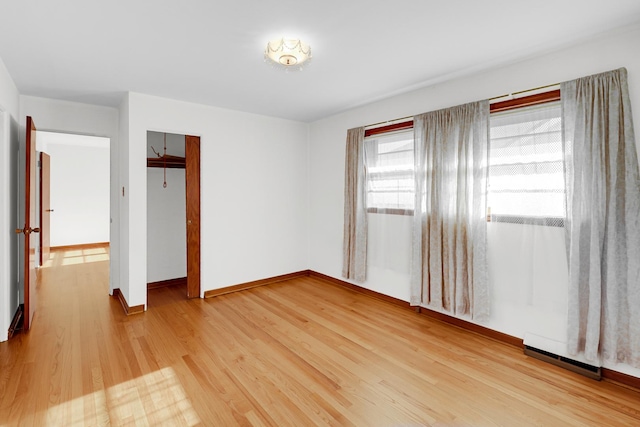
{"x": 390, "y": 211}
{"x": 528, "y": 220}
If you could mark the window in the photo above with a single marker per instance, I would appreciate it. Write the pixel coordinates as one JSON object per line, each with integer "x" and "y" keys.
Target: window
{"x": 526, "y": 172}
{"x": 389, "y": 163}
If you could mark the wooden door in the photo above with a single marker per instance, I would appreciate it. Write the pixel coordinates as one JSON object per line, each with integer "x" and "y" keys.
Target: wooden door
{"x": 45, "y": 207}
{"x": 30, "y": 242}
{"x": 192, "y": 182}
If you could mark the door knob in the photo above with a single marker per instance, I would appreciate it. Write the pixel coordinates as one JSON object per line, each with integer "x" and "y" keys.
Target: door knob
{"x": 49, "y": 210}
{"x": 26, "y": 230}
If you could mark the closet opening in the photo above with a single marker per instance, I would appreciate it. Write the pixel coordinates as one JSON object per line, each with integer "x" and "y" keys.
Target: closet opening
{"x": 173, "y": 214}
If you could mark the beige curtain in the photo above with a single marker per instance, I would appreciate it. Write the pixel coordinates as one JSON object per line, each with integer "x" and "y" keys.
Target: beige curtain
{"x": 603, "y": 218}
{"x": 449, "y": 265}
{"x": 354, "y": 251}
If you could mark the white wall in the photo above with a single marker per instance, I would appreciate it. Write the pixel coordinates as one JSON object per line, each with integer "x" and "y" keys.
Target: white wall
{"x": 327, "y": 145}
{"x": 76, "y": 118}
{"x": 166, "y": 225}
{"x": 253, "y": 191}
{"x": 9, "y": 142}
{"x": 79, "y": 188}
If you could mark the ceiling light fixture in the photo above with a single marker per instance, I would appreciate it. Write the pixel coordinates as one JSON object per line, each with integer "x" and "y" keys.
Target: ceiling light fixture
{"x": 288, "y": 53}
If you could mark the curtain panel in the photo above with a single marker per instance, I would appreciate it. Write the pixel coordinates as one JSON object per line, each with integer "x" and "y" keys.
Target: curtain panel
{"x": 603, "y": 219}
{"x": 354, "y": 249}
{"x": 449, "y": 264}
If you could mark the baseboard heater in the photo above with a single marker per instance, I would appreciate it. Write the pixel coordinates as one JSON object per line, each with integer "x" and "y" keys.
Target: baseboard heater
{"x": 593, "y": 372}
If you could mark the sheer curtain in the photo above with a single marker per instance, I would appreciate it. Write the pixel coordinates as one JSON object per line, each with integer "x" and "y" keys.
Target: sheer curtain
{"x": 449, "y": 265}
{"x": 526, "y": 166}
{"x": 390, "y": 197}
{"x": 603, "y": 219}
{"x": 354, "y": 249}
{"x": 526, "y": 238}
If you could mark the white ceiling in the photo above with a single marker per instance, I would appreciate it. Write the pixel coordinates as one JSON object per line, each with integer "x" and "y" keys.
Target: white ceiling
{"x": 211, "y": 51}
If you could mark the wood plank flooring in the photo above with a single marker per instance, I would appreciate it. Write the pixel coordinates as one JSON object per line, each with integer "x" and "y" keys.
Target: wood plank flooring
{"x": 297, "y": 353}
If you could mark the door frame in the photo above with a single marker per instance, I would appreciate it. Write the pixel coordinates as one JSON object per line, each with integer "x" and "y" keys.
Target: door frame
{"x": 29, "y": 250}
{"x": 45, "y": 206}
{"x": 192, "y": 202}
{"x": 192, "y": 178}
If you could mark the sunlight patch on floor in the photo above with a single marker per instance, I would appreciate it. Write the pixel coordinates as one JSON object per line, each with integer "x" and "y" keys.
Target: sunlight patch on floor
{"x": 73, "y": 253}
{"x": 76, "y": 256}
{"x": 47, "y": 264}
{"x": 84, "y": 259}
{"x": 95, "y": 251}
{"x": 157, "y": 398}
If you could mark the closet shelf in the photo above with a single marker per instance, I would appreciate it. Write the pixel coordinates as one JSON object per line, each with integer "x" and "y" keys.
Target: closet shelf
{"x": 172, "y": 162}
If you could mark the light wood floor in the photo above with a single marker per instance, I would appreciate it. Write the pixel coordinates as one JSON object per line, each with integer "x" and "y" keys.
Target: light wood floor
{"x": 299, "y": 353}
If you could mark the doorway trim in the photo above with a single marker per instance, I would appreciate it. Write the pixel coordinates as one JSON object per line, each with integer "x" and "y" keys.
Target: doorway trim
{"x": 192, "y": 178}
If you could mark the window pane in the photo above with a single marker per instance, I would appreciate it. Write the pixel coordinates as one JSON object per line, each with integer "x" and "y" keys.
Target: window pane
{"x": 389, "y": 161}
{"x": 526, "y": 170}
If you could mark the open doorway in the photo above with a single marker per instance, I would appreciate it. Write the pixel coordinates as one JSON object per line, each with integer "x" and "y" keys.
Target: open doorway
{"x": 173, "y": 213}
{"x": 73, "y": 205}
{"x": 78, "y": 200}
{"x": 79, "y": 181}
